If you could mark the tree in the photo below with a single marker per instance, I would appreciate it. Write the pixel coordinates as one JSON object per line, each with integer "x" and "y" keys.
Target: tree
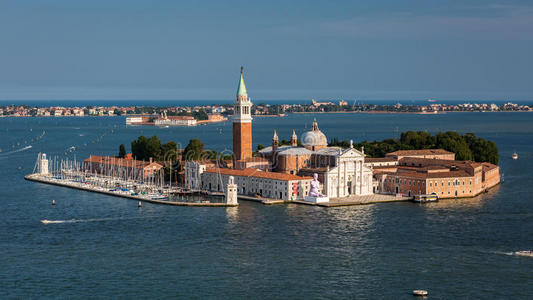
{"x": 194, "y": 150}
{"x": 453, "y": 142}
{"x": 465, "y": 147}
{"x": 145, "y": 148}
{"x": 169, "y": 151}
{"x": 121, "y": 151}
{"x": 200, "y": 115}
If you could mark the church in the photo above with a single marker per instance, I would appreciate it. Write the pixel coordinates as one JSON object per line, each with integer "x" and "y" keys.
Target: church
{"x": 342, "y": 172}
{"x": 284, "y": 172}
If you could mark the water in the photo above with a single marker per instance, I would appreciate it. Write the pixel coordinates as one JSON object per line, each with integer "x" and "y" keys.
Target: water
{"x": 106, "y": 247}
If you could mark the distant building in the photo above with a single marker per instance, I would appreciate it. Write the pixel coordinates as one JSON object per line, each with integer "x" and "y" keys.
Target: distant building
{"x": 175, "y": 121}
{"x": 138, "y": 120}
{"x": 216, "y": 118}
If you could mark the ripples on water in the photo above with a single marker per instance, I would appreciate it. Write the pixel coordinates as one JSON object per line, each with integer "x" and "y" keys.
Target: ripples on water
{"x": 105, "y": 246}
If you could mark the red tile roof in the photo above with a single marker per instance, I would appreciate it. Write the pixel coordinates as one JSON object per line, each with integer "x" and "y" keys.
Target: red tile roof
{"x": 420, "y": 152}
{"x": 379, "y": 159}
{"x": 109, "y": 160}
{"x": 424, "y": 175}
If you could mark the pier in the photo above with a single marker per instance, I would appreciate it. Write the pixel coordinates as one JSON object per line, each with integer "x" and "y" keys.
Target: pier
{"x": 116, "y": 192}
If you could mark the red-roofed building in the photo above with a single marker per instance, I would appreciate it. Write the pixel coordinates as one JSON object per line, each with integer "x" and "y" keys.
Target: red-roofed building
{"x": 442, "y": 177}
{"x": 253, "y": 182}
{"x": 120, "y": 167}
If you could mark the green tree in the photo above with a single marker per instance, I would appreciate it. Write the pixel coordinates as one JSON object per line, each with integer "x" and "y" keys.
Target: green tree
{"x": 145, "y": 148}
{"x": 455, "y": 143}
{"x": 121, "y": 151}
{"x": 194, "y": 150}
{"x": 169, "y": 151}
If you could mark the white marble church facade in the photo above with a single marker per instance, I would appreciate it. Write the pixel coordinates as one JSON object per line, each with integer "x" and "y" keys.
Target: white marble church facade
{"x": 348, "y": 175}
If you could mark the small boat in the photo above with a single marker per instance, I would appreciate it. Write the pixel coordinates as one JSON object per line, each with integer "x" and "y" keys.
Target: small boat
{"x": 515, "y": 155}
{"x": 425, "y": 198}
{"x": 422, "y": 293}
{"x": 528, "y": 253}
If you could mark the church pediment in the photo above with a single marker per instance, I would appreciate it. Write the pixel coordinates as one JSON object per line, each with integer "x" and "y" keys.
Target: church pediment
{"x": 351, "y": 152}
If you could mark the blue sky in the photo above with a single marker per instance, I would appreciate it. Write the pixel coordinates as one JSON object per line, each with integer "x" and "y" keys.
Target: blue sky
{"x": 66, "y": 49}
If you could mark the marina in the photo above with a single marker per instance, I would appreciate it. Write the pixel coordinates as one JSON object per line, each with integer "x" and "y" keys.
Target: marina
{"x": 113, "y": 182}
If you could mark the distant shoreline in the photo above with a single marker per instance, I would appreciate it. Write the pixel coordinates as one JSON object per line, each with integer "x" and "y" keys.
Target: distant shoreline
{"x": 301, "y": 113}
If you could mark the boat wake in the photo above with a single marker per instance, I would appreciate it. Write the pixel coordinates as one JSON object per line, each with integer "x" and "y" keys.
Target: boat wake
{"x": 45, "y": 221}
{"x": 15, "y": 151}
{"x": 504, "y": 253}
{"x": 527, "y": 253}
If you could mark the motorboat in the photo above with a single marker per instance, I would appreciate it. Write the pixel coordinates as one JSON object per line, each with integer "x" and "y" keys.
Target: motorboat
{"x": 515, "y": 155}
{"x": 425, "y": 198}
{"x": 528, "y": 253}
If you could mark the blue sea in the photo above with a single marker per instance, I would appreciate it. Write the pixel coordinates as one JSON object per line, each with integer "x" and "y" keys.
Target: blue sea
{"x": 106, "y": 247}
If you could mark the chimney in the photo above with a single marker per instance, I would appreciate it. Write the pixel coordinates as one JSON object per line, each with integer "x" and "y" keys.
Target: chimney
{"x": 150, "y": 160}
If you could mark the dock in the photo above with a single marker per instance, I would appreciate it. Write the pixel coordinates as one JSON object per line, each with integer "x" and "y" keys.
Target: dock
{"x": 117, "y": 193}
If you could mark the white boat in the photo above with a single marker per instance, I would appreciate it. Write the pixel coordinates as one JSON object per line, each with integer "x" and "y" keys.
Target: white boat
{"x": 515, "y": 155}
{"x": 422, "y": 293}
{"x": 528, "y": 253}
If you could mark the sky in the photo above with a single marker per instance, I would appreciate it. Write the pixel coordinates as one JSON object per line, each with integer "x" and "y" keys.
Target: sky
{"x": 193, "y": 50}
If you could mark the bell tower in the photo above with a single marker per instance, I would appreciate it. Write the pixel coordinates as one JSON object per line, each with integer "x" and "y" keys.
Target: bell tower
{"x": 242, "y": 123}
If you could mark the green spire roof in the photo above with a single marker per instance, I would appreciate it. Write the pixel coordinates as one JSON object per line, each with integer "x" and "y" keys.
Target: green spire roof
{"x": 242, "y": 88}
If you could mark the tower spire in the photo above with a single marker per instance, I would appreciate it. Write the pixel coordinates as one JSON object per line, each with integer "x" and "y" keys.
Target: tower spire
{"x": 294, "y": 139}
{"x": 241, "y": 91}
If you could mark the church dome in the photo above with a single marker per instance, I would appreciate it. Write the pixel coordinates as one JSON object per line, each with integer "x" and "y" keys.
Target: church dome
{"x": 314, "y": 139}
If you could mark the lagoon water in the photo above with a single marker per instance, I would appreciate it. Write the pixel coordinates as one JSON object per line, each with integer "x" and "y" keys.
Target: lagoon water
{"x": 106, "y": 247}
